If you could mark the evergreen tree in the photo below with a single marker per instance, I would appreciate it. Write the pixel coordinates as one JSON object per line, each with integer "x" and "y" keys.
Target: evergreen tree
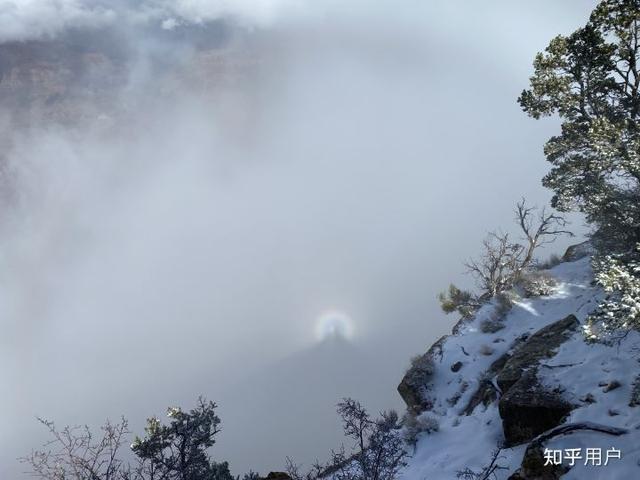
{"x": 591, "y": 80}
{"x": 178, "y": 451}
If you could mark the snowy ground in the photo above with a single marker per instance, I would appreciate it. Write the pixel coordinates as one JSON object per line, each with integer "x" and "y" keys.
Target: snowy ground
{"x": 468, "y": 441}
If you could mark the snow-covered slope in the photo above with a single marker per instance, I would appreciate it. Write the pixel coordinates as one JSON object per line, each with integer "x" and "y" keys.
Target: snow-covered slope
{"x": 579, "y": 372}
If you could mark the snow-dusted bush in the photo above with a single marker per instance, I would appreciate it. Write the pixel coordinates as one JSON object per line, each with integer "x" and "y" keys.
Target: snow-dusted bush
{"x": 537, "y": 284}
{"x": 619, "y": 276}
{"x": 502, "y": 305}
{"x": 422, "y": 366}
{"x": 491, "y": 325}
{"x": 416, "y": 425}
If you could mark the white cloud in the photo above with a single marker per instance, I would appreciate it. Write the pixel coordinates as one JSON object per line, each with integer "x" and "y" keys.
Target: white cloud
{"x": 259, "y": 12}
{"x": 28, "y": 19}
{"x": 32, "y": 19}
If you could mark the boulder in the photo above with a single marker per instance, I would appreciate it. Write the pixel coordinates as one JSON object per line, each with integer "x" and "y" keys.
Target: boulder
{"x": 277, "y": 476}
{"x": 533, "y": 466}
{"x": 456, "y": 366}
{"x": 415, "y": 385}
{"x": 528, "y": 409}
{"x": 542, "y": 344}
{"x": 578, "y": 251}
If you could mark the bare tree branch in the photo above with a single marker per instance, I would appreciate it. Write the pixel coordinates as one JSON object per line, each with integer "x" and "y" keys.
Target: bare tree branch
{"x": 503, "y": 261}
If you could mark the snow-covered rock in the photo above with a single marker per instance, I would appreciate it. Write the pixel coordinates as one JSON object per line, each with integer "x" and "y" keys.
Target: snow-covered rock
{"x": 461, "y": 390}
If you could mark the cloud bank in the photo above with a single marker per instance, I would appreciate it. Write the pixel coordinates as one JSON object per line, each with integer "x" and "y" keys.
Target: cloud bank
{"x": 22, "y": 20}
{"x": 177, "y": 217}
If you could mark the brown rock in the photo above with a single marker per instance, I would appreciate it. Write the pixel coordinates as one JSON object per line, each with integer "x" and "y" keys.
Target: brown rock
{"x": 277, "y": 476}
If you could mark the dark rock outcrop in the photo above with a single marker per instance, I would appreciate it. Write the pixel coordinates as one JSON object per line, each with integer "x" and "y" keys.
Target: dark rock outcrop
{"x": 542, "y": 344}
{"x": 576, "y": 252}
{"x": 277, "y": 476}
{"x": 486, "y": 392}
{"x": 415, "y": 385}
{"x": 529, "y": 409}
{"x": 526, "y": 407}
{"x": 533, "y": 466}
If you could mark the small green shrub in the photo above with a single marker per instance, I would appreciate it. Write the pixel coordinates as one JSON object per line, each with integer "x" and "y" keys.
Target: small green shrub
{"x": 457, "y": 300}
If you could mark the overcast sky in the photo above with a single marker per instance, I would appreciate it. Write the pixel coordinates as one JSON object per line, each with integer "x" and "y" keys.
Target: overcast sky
{"x": 192, "y": 247}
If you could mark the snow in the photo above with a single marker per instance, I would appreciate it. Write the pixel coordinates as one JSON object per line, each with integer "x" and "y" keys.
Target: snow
{"x": 581, "y": 368}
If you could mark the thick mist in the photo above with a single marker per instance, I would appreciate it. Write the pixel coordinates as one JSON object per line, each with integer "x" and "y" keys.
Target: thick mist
{"x": 187, "y": 187}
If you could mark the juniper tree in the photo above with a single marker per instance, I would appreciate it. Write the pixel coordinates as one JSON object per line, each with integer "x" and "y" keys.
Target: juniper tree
{"x": 179, "y": 450}
{"x": 457, "y": 300}
{"x": 591, "y": 80}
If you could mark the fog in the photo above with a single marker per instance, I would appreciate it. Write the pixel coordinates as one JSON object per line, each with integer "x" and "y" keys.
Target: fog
{"x": 179, "y": 212}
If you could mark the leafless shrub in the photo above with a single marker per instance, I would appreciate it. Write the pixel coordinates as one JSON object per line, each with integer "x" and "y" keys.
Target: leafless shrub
{"x": 499, "y": 264}
{"x": 539, "y": 228}
{"x": 294, "y": 471}
{"x": 503, "y": 261}
{"x": 74, "y": 453}
{"x": 487, "y": 472}
{"x": 378, "y": 452}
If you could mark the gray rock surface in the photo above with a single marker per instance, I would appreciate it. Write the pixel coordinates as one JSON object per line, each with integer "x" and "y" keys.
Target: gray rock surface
{"x": 542, "y": 344}
{"x": 578, "y": 251}
{"x": 415, "y": 385}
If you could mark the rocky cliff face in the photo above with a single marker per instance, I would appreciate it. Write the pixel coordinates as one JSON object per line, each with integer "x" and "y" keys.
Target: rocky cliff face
{"x": 503, "y": 395}
{"x": 81, "y": 76}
